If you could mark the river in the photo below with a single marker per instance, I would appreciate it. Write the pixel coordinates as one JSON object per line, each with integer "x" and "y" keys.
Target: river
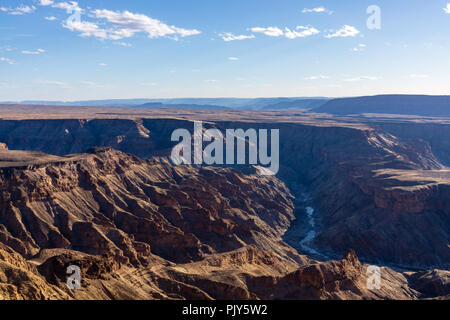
{"x": 306, "y": 224}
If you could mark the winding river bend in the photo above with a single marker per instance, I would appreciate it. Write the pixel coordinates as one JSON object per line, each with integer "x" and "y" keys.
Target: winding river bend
{"x": 311, "y": 235}
{"x": 305, "y": 225}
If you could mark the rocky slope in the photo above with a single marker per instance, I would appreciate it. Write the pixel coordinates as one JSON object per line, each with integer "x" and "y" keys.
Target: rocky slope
{"x": 62, "y": 137}
{"x": 242, "y": 274}
{"x": 436, "y": 134}
{"x": 382, "y": 196}
{"x": 146, "y": 230}
{"x": 182, "y": 232}
{"x": 108, "y": 202}
{"x": 350, "y": 170}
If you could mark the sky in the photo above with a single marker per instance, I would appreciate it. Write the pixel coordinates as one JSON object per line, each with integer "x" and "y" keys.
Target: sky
{"x": 108, "y": 49}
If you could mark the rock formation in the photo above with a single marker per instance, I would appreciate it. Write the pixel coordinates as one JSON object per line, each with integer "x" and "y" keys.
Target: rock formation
{"x": 144, "y": 229}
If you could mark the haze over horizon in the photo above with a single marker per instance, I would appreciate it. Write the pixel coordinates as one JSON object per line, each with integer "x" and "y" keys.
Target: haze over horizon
{"x": 227, "y": 49}
{"x": 200, "y": 100}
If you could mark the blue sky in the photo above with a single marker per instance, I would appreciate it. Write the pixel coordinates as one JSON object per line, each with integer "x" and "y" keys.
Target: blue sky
{"x": 221, "y": 48}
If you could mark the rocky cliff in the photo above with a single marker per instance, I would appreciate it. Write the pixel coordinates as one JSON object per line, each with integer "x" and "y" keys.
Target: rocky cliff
{"x": 108, "y": 202}
{"x": 185, "y": 232}
{"x": 147, "y": 230}
{"x": 369, "y": 186}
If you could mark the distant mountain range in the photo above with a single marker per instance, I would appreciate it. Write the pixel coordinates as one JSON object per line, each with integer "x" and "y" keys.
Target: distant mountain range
{"x": 192, "y": 103}
{"x": 420, "y": 105}
{"x": 180, "y": 106}
{"x": 297, "y": 104}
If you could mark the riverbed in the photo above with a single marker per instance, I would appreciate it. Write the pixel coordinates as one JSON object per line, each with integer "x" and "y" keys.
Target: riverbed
{"x": 305, "y": 229}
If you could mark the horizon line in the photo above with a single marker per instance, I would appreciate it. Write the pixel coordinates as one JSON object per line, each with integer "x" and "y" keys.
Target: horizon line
{"x": 221, "y": 97}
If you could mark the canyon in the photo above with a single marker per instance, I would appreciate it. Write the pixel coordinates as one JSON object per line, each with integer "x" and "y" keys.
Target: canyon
{"x": 94, "y": 187}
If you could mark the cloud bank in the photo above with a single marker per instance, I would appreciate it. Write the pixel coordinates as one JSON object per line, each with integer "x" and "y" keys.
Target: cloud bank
{"x": 345, "y": 31}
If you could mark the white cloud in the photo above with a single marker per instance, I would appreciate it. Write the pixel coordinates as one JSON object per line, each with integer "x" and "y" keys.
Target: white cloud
{"x": 231, "y": 37}
{"x": 362, "y": 78}
{"x": 51, "y": 18}
{"x": 90, "y": 29}
{"x": 317, "y": 10}
{"x": 300, "y": 32}
{"x": 68, "y": 6}
{"x": 211, "y": 81}
{"x": 46, "y": 2}
{"x": 345, "y": 31}
{"x": 233, "y": 58}
{"x": 149, "y": 84}
{"x": 447, "y": 8}
{"x": 102, "y": 64}
{"x": 38, "y": 51}
{"x": 125, "y": 24}
{"x": 19, "y": 10}
{"x": 23, "y": 9}
{"x": 270, "y": 31}
{"x": 7, "y": 48}
{"x": 359, "y": 48}
{"x": 7, "y": 60}
{"x": 116, "y": 25}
